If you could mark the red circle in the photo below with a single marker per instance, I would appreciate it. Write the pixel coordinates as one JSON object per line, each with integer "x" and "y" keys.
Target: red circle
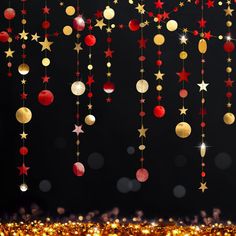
{"x": 78, "y": 23}
{"x": 4, "y": 36}
{"x": 109, "y": 40}
{"x": 159, "y": 62}
{"x": 195, "y": 32}
{"x": 109, "y": 87}
{"x": 142, "y": 175}
{"x": 183, "y": 93}
{"x": 203, "y": 174}
{"x": 78, "y": 169}
{"x": 203, "y": 124}
{"x": 45, "y": 97}
{"x": 229, "y": 46}
{"x": 90, "y": 95}
{"x": 159, "y": 111}
{"x": 24, "y": 151}
{"x": 159, "y": 52}
{"x": 9, "y": 13}
{"x": 46, "y": 24}
{"x": 229, "y": 95}
{"x": 134, "y": 25}
{"x": 90, "y": 40}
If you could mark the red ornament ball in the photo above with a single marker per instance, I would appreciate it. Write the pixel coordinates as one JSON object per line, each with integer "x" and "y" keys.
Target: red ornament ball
{"x": 229, "y": 46}
{"x": 24, "y": 151}
{"x": 4, "y": 36}
{"x": 46, "y": 24}
{"x": 78, "y": 169}
{"x": 109, "y": 87}
{"x": 134, "y": 25}
{"x": 183, "y": 93}
{"x": 90, "y": 40}
{"x": 159, "y": 111}
{"x": 78, "y": 23}
{"x": 45, "y": 97}
{"x": 9, "y": 13}
{"x": 142, "y": 175}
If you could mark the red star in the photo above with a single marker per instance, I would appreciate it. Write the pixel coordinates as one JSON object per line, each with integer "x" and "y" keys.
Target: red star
{"x": 90, "y": 27}
{"x": 56, "y": 34}
{"x": 142, "y": 43}
{"x": 202, "y": 23}
{"x": 159, "y": 4}
{"x": 165, "y": 15}
{"x": 183, "y": 75}
{"x": 23, "y": 169}
{"x": 23, "y": 96}
{"x": 202, "y": 112}
{"x": 229, "y": 83}
{"x": 23, "y": 12}
{"x": 46, "y": 10}
{"x": 108, "y": 100}
{"x": 207, "y": 35}
{"x": 108, "y": 53}
{"x": 98, "y": 14}
{"x": 210, "y": 3}
{"x": 45, "y": 79}
{"x": 159, "y": 17}
{"x": 9, "y": 30}
{"x": 90, "y": 80}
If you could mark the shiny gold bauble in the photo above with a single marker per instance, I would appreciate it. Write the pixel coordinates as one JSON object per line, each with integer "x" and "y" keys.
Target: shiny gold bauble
{"x": 23, "y": 69}
{"x": 70, "y": 10}
{"x": 229, "y": 118}
{"x": 183, "y": 130}
{"x": 202, "y": 46}
{"x": 23, "y": 115}
{"x": 183, "y": 55}
{"x": 90, "y": 120}
{"x": 142, "y": 86}
{"x": 172, "y": 25}
{"x": 78, "y": 88}
{"x": 108, "y": 13}
{"x": 67, "y": 30}
{"x": 159, "y": 39}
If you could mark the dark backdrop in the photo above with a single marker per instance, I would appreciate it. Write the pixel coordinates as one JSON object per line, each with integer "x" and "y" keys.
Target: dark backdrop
{"x": 171, "y": 161}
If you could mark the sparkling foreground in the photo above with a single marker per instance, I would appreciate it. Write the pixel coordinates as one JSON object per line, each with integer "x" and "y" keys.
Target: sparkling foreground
{"x": 111, "y": 229}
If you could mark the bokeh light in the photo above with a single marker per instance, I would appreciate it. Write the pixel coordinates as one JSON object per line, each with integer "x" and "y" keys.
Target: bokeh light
{"x": 180, "y": 161}
{"x": 130, "y": 150}
{"x": 45, "y": 186}
{"x": 223, "y": 161}
{"x": 124, "y": 185}
{"x": 95, "y": 161}
{"x": 179, "y": 191}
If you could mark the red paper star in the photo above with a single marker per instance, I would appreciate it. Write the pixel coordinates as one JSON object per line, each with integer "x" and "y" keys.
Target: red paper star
{"x": 207, "y": 35}
{"x": 90, "y": 80}
{"x": 229, "y": 83}
{"x": 159, "y": 4}
{"x": 109, "y": 100}
{"x": 46, "y": 10}
{"x": 23, "y": 96}
{"x": 98, "y": 14}
{"x": 108, "y": 53}
{"x": 183, "y": 75}
{"x": 23, "y": 169}
{"x": 23, "y": 12}
{"x": 165, "y": 15}
{"x": 210, "y": 3}
{"x": 202, "y": 112}
{"x": 142, "y": 43}
{"x": 202, "y": 23}
{"x": 45, "y": 79}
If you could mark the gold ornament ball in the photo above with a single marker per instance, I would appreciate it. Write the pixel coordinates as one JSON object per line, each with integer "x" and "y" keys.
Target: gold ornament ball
{"x": 23, "y": 69}
{"x": 108, "y": 13}
{"x": 67, "y": 30}
{"x": 229, "y": 69}
{"x": 78, "y": 88}
{"x": 183, "y": 55}
{"x": 23, "y": 115}
{"x": 229, "y": 118}
{"x": 70, "y": 10}
{"x": 142, "y": 86}
{"x": 183, "y": 130}
{"x": 159, "y": 39}
{"x": 90, "y": 120}
{"x": 172, "y": 25}
{"x": 46, "y": 62}
{"x": 229, "y": 23}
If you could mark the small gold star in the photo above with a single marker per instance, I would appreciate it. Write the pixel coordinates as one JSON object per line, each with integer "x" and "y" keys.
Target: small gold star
{"x": 90, "y": 106}
{"x": 35, "y": 37}
{"x": 78, "y": 47}
{"x": 23, "y": 81}
{"x": 228, "y": 11}
{"x": 203, "y": 187}
{"x": 9, "y": 53}
{"x": 159, "y": 75}
{"x": 108, "y": 29}
{"x": 140, "y": 8}
{"x": 23, "y": 35}
{"x": 100, "y": 24}
{"x": 108, "y": 74}
{"x": 181, "y": 4}
{"x": 183, "y": 111}
{"x": 142, "y": 132}
{"x": 46, "y": 45}
{"x": 23, "y": 135}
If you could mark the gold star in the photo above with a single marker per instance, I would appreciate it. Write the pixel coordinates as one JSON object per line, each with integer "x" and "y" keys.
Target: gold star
{"x": 23, "y": 135}
{"x": 229, "y": 59}
{"x": 108, "y": 74}
{"x": 140, "y": 8}
{"x": 46, "y": 45}
{"x": 203, "y": 86}
{"x": 100, "y": 24}
{"x": 23, "y": 81}
{"x": 159, "y": 27}
{"x": 146, "y": 22}
{"x": 183, "y": 111}
{"x": 23, "y": 35}
{"x": 115, "y": 1}
{"x": 9, "y": 53}
{"x": 78, "y": 47}
{"x": 159, "y": 75}
{"x": 228, "y": 11}
{"x": 35, "y": 37}
{"x": 185, "y": 30}
{"x": 203, "y": 187}
{"x": 108, "y": 29}
{"x": 90, "y": 106}
{"x": 229, "y": 105}
{"x": 181, "y": 4}
{"x": 142, "y": 132}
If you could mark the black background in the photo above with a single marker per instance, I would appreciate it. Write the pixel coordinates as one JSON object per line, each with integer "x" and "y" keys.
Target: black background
{"x": 117, "y": 123}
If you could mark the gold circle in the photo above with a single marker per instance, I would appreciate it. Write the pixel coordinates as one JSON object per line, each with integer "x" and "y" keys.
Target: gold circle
{"x": 229, "y": 118}
{"x": 172, "y": 25}
{"x": 142, "y": 86}
{"x": 78, "y": 88}
{"x": 46, "y": 62}
{"x": 70, "y": 10}
{"x": 220, "y": 3}
{"x": 113, "y": 26}
{"x": 229, "y": 23}
{"x": 23, "y": 21}
{"x": 142, "y": 147}
{"x": 23, "y": 115}
{"x": 23, "y": 69}
{"x": 183, "y": 130}
{"x": 67, "y": 30}
{"x": 90, "y": 120}
{"x": 220, "y": 37}
{"x": 108, "y": 64}
{"x": 159, "y": 88}
{"x": 90, "y": 67}
{"x": 159, "y": 39}
{"x": 228, "y": 69}
{"x": 108, "y": 13}
{"x": 183, "y": 55}
{"x": 10, "y": 40}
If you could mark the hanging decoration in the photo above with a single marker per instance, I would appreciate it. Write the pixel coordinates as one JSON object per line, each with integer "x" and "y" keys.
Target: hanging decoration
{"x": 229, "y": 47}
{"x": 45, "y": 96}
{"x": 23, "y": 114}
{"x": 142, "y": 87}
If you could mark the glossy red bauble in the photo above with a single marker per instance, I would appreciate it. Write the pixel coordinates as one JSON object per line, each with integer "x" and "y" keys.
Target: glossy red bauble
{"x": 159, "y": 111}
{"x": 134, "y": 25}
{"x": 78, "y": 169}
{"x": 9, "y": 13}
{"x": 229, "y": 46}
{"x": 23, "y": 151}
{"x": 79, "y": 23}
{"x": 109, "y": 87}
{"x": 90, "y": 40}
{"x": 45, "y": 97}
{"x": 4, "y": 36}
{"x": 142, "y": 175}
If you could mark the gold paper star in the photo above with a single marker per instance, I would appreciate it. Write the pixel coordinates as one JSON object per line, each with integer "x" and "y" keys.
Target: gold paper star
{"x": 203, "y": 187}
{"x": 35, "y": 37}
{"x": 203, "y": 86}
{"x": 229, "y": 105}
{"x": 9, "y": 53}
{"x": 100, "y": 24}
{"x": 140, "y": 8}
{"x": 46, "y": 45}
{"x": 78, "y": 47}
{"x": 228, "y": 11}
{"x": 159, "y": 75}
{"x": 23, "y": 135}
{"x": 142, "y": 132}
{"x": 23, "y": 35}
{"x": 108, "y": 74}
{"x": 183, "y": 111}
{"x": 115, "y": 1}
{"x": 181, "y": 4}
{"x": 90, "y": 106}
{"x": 108, "y": 29}
{"x": 23, "y": 81}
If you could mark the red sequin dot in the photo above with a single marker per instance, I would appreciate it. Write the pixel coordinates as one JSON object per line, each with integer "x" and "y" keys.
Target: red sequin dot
{"x": 142, "y": 159}
{"x": 109, "y": 40}
{"x": 203, "y": 174}
{"x": 23, "y": 151}
{"x": 90, "y": 94}
{"x": 150, "y": 14}
{"x": 9, "y": 74}
{"x": 77, "y": 116}
{"x": 159, "y": 98}
{"x": 9, "y": 64}
{"x": 195, "y": 32}
{"x": 46, "y": 24}
{"x": 183, "y": 93}
{"x": 159, "y": 63}
{"x": 159, "y": 52}
{"x": 142, "y": 113}
{"x": 203, "y": 164}
{"x": 23, "y": 46}
{"x": 203, "y": 124}
{"x": 229, "y": 94}
{"x": 142, "y": 58}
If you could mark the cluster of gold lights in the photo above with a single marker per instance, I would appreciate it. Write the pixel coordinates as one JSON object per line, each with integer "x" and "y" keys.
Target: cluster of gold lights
{"x": 113, "y": 228}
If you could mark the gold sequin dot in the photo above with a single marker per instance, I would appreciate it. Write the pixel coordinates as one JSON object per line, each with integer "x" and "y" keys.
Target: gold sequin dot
{"x": 159, "y": 88}
{"x": 108, "y": 64}
{"x": 229, "y": 69}
{"x": 90, "y": 67}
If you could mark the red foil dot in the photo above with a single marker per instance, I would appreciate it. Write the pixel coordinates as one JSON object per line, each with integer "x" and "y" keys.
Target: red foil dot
{"x": 203, "y": 174}
{"x": 229, "y": 94}
{"x": 24, "y": 151}
{"x": 203, "y": 124}
{"x": 159, "y": 63}
{"x": 90, "y": 95}
{"x": 46, "y": 24}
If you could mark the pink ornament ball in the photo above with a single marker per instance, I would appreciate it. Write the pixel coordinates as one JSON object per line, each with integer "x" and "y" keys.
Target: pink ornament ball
{"x": 78, "y": 169}
{"x": 9, "y": 13}
{"x": 142, "y": 175}
{"x": 79, "y": 23}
